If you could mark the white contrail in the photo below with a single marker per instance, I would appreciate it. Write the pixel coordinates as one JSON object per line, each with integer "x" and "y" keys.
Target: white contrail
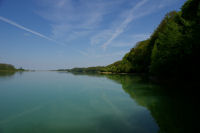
{"x": 27, "y": 29}
{"x": 124, "y": 24}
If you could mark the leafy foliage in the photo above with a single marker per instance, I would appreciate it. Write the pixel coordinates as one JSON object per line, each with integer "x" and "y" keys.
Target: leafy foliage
{"x": 87, "y": 70}
{"x": 173, "y": 48}
{"x": 171, "y": 51}
{"x": 6, "y": 67}
{"x": 168, "y": 49}
{"x": 122, "y": 66}
{"x": 9, "y": 68}
{"x": 138, "y": 57}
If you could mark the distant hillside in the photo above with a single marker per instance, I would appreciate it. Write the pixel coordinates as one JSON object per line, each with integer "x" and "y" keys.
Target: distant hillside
{"x": 7, "y": 67}
{"x": 171, "y": 51}
{"x": 87, "y": 70}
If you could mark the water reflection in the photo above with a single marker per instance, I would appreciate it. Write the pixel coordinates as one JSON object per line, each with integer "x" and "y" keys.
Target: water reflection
{"x": 51, "y": 102}
{"x": 173, "y": 111}
{"x": 59, "y": 102}
{"x": 7, "y": 73}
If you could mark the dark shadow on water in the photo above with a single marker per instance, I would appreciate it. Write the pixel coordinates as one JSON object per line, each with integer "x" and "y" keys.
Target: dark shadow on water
{"x": 4, "y": 74}
{"x": 7, "y": 73}
{"x": 108, "y": 124}
{"x": 173, "y": 107}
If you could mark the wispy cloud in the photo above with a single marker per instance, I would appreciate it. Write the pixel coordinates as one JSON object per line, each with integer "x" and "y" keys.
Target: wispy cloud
{"x": 75, "y": 19}
{"x": 130, "y": 40}
{"x": 141, "y": 9}
{"x": 83, "y": 53}
{"x": 124, "y": 24}
{"x": 103, "y": 55}
{"x": 80, "y": 20}
{"x": 101, "y": 37}
{"x": 27, "y": 29}
{"x": 165, "y": 3}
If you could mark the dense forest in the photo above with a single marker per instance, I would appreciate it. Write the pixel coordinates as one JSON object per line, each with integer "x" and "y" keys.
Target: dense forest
{"x": 8, "y": 67}
{"x": 171, "y": 51}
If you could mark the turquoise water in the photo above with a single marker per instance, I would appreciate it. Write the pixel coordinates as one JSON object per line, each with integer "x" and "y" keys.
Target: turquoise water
{"x": 56, "y": 102}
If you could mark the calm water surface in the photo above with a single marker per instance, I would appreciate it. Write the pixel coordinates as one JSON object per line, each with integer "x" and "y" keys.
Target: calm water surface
{"x": 56, "y": 102}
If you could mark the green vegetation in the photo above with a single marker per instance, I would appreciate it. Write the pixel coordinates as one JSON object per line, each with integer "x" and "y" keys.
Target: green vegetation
{"x": 6, "y": 73}
{"x": 171, "y": 51}
{"x": 87, "y": 70}
{"x": 8, "y": 67}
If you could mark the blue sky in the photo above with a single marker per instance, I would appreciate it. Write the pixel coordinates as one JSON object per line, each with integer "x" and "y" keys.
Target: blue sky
{"x": 53, "y": 34}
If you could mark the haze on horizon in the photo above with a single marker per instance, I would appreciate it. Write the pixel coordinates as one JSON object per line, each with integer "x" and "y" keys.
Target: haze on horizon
{"x": 43, "y": 34}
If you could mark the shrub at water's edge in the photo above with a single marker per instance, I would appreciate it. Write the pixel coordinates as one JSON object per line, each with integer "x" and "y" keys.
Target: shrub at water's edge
{"x": 171, "y": 51}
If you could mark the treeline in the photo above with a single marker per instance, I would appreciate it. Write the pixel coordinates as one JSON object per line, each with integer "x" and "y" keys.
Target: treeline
{"x": 87, "y": 70}
{"x": 171, "y": 51}
{"x": 9, "y": 67}
{"x": 173, "y": 48}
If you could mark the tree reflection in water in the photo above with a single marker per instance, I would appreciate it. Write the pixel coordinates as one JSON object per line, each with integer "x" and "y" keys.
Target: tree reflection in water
{"x": 173, "y": 110}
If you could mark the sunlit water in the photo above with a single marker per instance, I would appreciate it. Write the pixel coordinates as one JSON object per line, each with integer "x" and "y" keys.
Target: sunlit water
{"x": 55, "y": 102}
